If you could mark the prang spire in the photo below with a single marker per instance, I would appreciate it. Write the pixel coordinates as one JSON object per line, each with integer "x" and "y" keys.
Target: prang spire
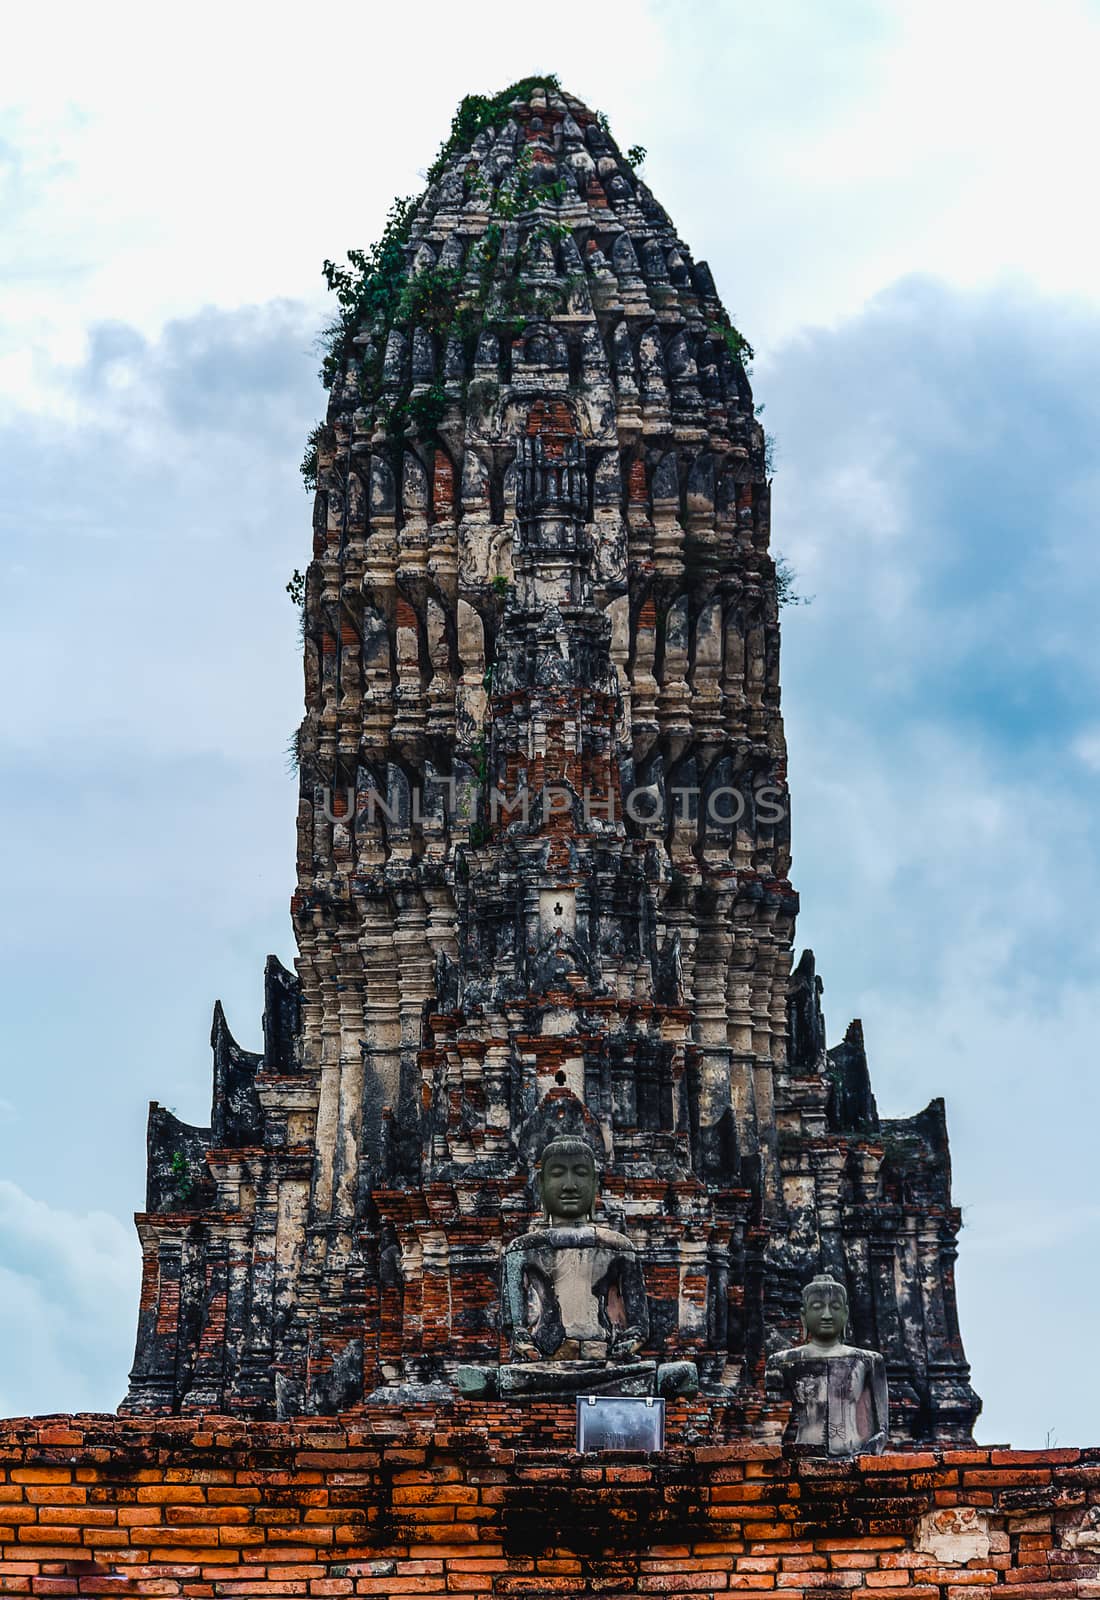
{"x": 543, "y": 847}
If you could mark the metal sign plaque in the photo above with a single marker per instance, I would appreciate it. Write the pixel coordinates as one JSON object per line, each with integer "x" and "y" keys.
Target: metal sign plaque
{"x": 619, "y": 1422}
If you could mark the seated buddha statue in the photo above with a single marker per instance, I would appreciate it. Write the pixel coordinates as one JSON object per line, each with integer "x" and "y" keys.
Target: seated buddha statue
{"x": 840, "y": 1402}
{"x": 573, "y": 1299}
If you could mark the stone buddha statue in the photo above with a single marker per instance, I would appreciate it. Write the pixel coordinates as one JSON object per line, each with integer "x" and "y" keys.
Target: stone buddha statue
{"x": 839, "y": 1394}
{"x": 573, "y": 1299}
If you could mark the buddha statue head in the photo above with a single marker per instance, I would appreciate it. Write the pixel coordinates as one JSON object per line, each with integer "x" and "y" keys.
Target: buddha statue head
{"x": 825, "y": 1311}
{"x": 567, "y": 1181}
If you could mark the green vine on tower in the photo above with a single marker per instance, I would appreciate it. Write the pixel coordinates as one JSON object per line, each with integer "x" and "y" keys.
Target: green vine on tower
{"x": 376, "y": 291}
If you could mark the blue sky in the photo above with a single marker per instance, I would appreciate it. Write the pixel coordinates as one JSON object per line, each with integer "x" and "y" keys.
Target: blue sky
{"x": 895, "y": 203}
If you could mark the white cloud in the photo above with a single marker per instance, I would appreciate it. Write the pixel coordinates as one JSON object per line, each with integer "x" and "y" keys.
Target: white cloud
{"x": 813, "y": 153}
{"x": 936, "y": 895}
{"x": 944, "y": 838}
{"x": 68, "y": 1306}
{"x": 150, "y": 701}
{"x": 1086, "y": 747}
{"x": 186, "y": 450}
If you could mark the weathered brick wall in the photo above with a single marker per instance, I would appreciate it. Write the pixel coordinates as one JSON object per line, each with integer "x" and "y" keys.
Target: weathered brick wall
{"x": 441, "y": 1506}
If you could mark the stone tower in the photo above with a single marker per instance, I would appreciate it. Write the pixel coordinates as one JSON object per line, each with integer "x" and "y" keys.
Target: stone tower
{"x": 543, "y": 848}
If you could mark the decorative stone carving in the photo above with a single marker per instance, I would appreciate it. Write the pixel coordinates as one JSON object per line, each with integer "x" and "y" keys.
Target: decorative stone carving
{"x": 954, "y": 1534}
{"x": 839, "y": 1393}
{"x": 1086, "y": 1535}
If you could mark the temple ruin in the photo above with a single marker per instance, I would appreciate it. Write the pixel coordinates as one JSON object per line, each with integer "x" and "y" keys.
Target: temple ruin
{"x": 543, "y": 851}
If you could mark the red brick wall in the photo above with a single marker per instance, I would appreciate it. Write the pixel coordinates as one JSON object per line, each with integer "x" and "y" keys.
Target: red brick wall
{"x": 436, "y": 1505}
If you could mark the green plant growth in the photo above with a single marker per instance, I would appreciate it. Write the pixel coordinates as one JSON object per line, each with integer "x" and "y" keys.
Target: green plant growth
{"x": 428, "y": 297}
{"x": 369, "y": 289}
{"x": 376, "y": 291}
{"x": 296, "y": 588}
{"x": 636, "y": 155}
{"x": 514, "y": 195}
{"x": 480, "y": 111}
{"x": 735, "y": 342}
{"x": 785, "y": 579}
{"x": 320, "y": 435}
{"x": 424, "y": 411}
{"x": 479, "y": 754}
{"x": 375, "y": 288}
{"x": 181, "y": 1174}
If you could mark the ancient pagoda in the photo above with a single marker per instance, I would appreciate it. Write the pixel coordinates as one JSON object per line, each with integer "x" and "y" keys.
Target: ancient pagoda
{"x": 543, "y": 850}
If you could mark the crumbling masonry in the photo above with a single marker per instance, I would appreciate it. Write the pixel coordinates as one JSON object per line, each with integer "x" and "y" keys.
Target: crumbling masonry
{"x": 543, "y": 854}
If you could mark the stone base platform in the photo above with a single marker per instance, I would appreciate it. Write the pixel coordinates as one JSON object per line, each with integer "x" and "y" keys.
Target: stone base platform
{"x": 483, "y": 1501}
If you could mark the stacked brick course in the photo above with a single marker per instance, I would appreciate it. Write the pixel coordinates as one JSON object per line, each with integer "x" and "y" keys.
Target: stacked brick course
{"x": 438, "y": 1503}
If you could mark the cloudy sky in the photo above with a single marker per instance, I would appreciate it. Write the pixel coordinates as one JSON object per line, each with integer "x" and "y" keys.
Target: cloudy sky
{"x": 898, "y": 203}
